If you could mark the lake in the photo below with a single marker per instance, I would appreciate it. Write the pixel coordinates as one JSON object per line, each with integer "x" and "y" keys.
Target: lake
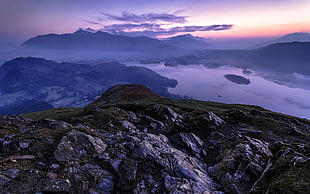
{"x": 202, "y": 83}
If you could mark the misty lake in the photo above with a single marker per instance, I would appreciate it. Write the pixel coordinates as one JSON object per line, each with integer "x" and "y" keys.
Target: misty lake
{"x": 202, "y": 83}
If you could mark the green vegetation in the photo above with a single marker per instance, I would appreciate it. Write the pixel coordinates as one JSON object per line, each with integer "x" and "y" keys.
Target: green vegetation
{"x": 57, "y": 114}
{"x": 296, "y": 175}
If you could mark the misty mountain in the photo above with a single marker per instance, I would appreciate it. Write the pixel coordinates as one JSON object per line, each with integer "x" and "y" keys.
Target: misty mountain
{"x": 293, "y": 37}
{"x": 187, "y": 41}
{"x": 89, "y": 45}
{"x": 290, "y": 57}
{"x": 83, "y": 40}
{"x": 68, "y": 84}
{"x": 103, "y": 42}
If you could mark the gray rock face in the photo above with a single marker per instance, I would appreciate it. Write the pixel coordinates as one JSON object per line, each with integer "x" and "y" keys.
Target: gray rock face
{"x": 156, "y": 147}
{"x": 76, "y": 145}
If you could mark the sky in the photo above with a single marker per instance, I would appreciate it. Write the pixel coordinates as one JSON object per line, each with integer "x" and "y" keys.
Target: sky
{"x": 24, "y": 19}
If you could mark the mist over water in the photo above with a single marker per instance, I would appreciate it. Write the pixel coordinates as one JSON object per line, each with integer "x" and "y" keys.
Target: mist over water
{"x": 203, "y": 83}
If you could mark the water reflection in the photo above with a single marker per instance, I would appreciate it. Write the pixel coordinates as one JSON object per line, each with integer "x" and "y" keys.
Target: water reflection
{"x": 203, "y": 83}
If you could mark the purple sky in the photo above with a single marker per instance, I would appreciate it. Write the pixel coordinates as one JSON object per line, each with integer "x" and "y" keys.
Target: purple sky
{"x": 23, "y": 19}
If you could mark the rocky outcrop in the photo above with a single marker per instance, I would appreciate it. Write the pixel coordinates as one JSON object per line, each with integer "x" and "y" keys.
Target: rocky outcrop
{"x": 156, "y": 146}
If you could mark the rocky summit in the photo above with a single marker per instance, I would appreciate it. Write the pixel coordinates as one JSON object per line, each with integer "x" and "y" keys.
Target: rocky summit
{"x": 126, "y": 143}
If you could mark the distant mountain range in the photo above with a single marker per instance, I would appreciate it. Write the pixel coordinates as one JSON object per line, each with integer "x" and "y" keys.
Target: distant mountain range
{"x": 93, "y": 45}
{"x": 292, "y": 57}
{"x": 187, "y": 41}
{"x": 293, "y": 37}
{"x": 105, "y": 42}
{"x": 298, "y": 37}
{"x": 67, "y": 84}
{"x": 84, "y": 40}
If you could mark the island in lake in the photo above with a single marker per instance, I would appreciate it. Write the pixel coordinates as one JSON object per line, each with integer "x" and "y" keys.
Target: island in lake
{"x": 237, "y": 79}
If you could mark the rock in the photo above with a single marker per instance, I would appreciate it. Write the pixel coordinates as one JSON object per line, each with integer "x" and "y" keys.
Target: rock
{"x": 54, "y": 166}
{"x": 158, "y": 150}
{"x": 18, "y": 157}
{"x": 127, "y": 173}
{"x": 193, "y": 143}
{"x": 77, "y": 145}
{"x": 215, "y": 119}
{"x": 25, "y": 182}
{"x": 298, "y": 161}
{"x": 52, "y": 185}
{"x": 173, "y": 114}
{"x": 155, "y": 146}
{"x": 128, "y": 125}
{"x": 177, "y": 185}
{"x": 275, "y": 147}
{"x": 25, "y": 143}
{"x": 105, "y": 185}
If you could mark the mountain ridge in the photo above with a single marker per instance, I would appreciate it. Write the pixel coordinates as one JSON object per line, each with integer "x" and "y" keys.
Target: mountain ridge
{"x": 187, "y": 41}
{"x": 292, "y": 37}
{"x": 291, "y": 57}
{"x": 106, "y": 42}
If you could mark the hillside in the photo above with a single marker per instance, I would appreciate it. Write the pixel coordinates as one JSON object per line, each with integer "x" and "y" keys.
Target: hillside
{"x": 68, "y": 84}
{"x": 120, "y": 144}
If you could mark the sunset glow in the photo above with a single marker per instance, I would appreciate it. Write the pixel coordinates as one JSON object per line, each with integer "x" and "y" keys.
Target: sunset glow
{"x": 24, "y": 19}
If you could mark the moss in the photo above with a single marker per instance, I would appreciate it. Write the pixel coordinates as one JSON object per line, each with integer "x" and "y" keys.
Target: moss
{"x": 295, "y": 180}
{"x": 57, "y": 114}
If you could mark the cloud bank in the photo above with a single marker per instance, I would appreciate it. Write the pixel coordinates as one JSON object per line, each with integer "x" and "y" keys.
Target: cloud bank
{"x": 150, "y": 17}
{"x": 150, "y": 24}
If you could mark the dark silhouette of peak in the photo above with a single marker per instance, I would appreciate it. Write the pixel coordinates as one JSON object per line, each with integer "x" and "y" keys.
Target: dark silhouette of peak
{"x": 97, "y": 41}
{"x": 126, "y": 92}
{"x": 82, "y": 32}
{"x": 290, "y": 57}
{"x": 295, "y": 37}
{"x": 187, "y": 41}
{"x": 184, "y": 36}
{"x": 291, "y": 48}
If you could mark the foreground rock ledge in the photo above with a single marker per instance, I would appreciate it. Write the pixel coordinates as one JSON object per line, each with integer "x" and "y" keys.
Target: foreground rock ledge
{"x": 154, "y": 145}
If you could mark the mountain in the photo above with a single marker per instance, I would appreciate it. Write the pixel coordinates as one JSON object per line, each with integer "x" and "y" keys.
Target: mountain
{"x": 69, "y": 84}
{"x": 154, "y": 145}
{"x": 293, "y": 37}
{"x": 88, "y": 45}
{"x": 83, "y": 40}
{"x": 292, "y": 57}
{"x": 84, "y": 44}
{"x": 187, "y": 41}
